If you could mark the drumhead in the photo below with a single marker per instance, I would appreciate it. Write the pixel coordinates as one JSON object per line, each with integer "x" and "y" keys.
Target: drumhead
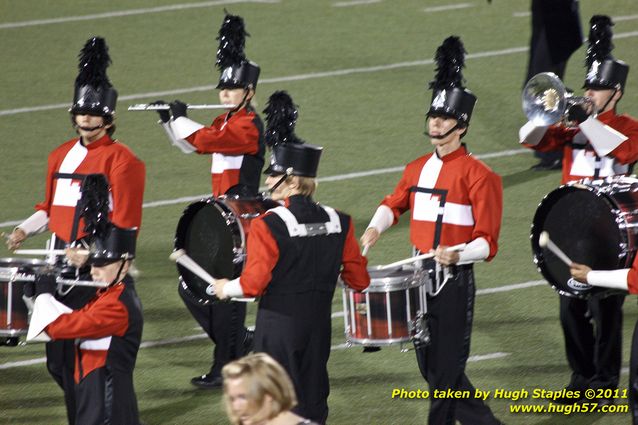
{"x": 206, "y": 231}
{"x": 394, "y": 279}
{"x": 582, "y": 222}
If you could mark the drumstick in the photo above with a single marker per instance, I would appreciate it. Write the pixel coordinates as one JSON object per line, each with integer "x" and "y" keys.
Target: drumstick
{"x": 366, "y": 248}
{"x": 180, "y": 257}
{"x": 47, "y": 251}
{"x": 545, "y": 242}
{"x": 459, "y": 247}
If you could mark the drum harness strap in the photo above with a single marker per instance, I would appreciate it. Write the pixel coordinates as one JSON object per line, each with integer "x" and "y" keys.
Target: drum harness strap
{"x": 296, "y": 229}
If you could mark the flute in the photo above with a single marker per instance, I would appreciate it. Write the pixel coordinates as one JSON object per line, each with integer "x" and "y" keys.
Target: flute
{"x": 166, "y": 107}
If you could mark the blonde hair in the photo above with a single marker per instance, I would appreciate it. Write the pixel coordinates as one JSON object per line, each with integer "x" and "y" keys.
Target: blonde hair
{"x": 305, "y": 185}
{"x": 262, "y": 376}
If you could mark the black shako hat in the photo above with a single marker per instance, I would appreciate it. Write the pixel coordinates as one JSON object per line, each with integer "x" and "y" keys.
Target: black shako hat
{"x": 236, "y": 70}
{"x": 290, "y": 155}
{"x": 449, "y": 97}
{"x": 603, "y": 71}
{"x": 109, "y": 243}
{"x": 94, "y": 94}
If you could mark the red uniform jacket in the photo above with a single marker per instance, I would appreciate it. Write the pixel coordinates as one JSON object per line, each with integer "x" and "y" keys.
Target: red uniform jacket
{"x": 579, "y": 158}
{"x": 453, "y": 200}
{"x": 72, "y": 160}
{"x": 237, "y": 147}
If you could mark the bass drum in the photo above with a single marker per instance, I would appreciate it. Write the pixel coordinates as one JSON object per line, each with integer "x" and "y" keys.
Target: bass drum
{"x": 594, "y": 223}
{"x": 213, "y": 233}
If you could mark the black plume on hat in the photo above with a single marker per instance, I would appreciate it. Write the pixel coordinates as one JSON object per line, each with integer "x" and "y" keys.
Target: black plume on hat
{"x": 450, "y": 61}
{"x": 232, "y": 39}
{"x": 281, "y": 117}
{"x": 94, "y": 204}
{"x": 94, "y": 59}
{"x": 600, "y": 35}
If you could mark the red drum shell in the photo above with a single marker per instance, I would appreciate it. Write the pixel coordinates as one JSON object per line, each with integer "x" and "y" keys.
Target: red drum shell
{"x": 385, "y": 313}
{"x": 14, "y": 317}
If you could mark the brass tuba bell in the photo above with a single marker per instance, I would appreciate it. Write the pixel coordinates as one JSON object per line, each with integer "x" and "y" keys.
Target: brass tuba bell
{"x": 546, "y": 101}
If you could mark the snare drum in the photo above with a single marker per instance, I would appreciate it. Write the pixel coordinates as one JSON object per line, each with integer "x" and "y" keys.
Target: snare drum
{"x": 14, "y": 317}
{"x": 594, "y": 223}
{"x": 213, "y": 232}
{"x": 386, "y": 312}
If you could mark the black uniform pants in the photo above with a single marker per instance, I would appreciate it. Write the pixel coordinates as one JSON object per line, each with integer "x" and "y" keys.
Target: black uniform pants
{"x": 594, "y": 350}
{"x": 61, "y": 353}
{"x": 296, "y": 331}
{"x": 442, "y": 362}
{"x": 223, "y": 322}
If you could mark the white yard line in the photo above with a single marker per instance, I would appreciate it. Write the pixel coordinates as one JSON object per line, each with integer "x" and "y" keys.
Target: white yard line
{"x": 355, "y": 3}
{"x": 131, "y": 12}
{"x": 300, "y": 77}
{"x": 447, "y": 7}
{"x": 339, "y": 177}
{"x": 179, "y": 340}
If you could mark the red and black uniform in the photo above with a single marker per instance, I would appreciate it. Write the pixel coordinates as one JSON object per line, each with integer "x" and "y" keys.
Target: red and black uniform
{"x": 594, "y": 350}
{"x": 296, "y": 275}
{"x": 106, "y": 334}
{"x": 70, "y": 162}
{"x": 67, "y": 166}
{"x": 579, "y": 157}
{"x": 454, "y": 199}
{"x": 237, "y": 147}
{"x": 236, "y": 143}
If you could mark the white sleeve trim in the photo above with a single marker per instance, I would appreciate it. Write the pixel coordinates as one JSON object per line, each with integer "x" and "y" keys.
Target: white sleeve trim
{"x": 183, "y": 127}
{"x": 46, "y": 309}
{"x": 602, "y": 137}
{"x": 181, "y": 144}
{"x": 615, "y": 279}
{"x": 233, "y": 289}
{"x": 382, "y": 219}
{"x": 35, "y": 224}
{"x": 531, "y": 134}
{"x": 477, "y": 250}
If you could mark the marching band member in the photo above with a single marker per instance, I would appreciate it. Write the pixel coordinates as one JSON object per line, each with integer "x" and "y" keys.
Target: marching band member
{"x": 107, "y": 332}
{"x": 604, "y": 144}
{"x": 95, "y": 151}
{"x": 294, "y": 255}
{"x": 454, "y": 198}
{"x": 235, "y": 140}
{"x": 257, "y": 390}
{"x": 622, "y": 280}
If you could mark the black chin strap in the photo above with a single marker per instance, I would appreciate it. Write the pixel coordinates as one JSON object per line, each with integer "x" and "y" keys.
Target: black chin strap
{"x": 117, "y": 276}
{"x": 90, "y": 128}
{"x": 238, "y": 107}
{"x": 444, "y": 135}
{"x": 281, "y": 180}
{"x": 608, "y": 100}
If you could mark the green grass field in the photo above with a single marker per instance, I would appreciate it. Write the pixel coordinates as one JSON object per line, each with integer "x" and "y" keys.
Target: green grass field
{"x": 359, "y": 75}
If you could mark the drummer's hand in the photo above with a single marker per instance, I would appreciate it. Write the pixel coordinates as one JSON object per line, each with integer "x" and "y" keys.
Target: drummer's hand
{"x": 15, "y": 239}
{"x": 75, "y": 258}
{"x": 446, "y": 257}
{"x": 370, "y": 237}
{"x": 579, "y": 272}
{"x": 219, "y": 288}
